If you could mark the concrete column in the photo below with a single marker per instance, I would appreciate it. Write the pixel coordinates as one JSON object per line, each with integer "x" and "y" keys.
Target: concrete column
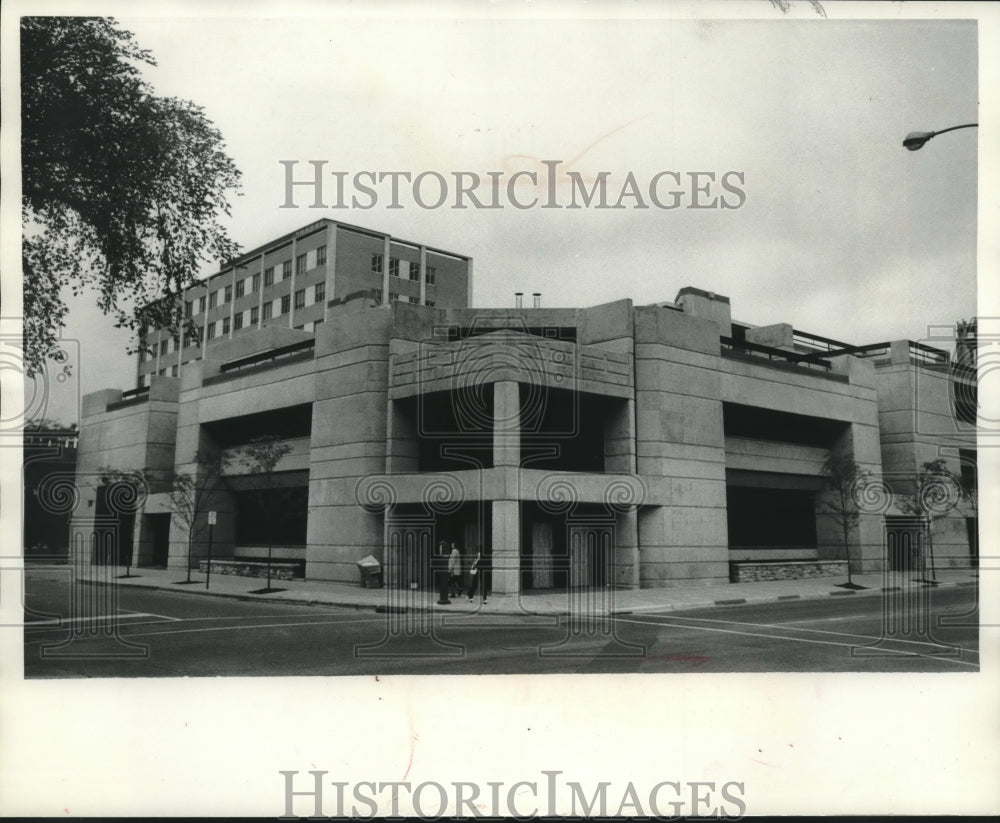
{"x": 291, "y": 290}
{"x": 260, "y": 295}
{"x": 468, "y": 295}
{"x": 423, "y": 275}
{"x": 386, "y": 251}
{"x": 506, "y": 424}
{"x": 330, "y": 274}
{"x": 204, "y": 321}
{"x": 627, "y": 550}
{"x": 506, "y": 541}
{"x": 232, "y": 304}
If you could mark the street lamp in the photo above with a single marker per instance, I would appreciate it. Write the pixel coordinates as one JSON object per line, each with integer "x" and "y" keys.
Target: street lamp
{"x": 916, "y": 139}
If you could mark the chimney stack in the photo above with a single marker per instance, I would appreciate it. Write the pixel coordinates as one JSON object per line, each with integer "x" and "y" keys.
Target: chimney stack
{"x": 518, "y": 299}
{"x": 537, "y": 297}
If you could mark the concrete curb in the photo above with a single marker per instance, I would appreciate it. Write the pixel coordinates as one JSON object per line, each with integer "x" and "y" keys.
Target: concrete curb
{"x": 657, "y": 608}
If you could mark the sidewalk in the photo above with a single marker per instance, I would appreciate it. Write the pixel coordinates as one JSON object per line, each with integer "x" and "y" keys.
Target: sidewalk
{"x": 674, "y": 598}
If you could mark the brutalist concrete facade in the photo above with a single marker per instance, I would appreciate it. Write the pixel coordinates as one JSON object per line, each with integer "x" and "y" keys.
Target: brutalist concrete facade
{"x": 613, "y": 445}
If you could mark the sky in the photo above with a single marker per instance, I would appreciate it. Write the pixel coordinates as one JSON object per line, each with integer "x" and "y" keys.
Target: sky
{"x": 842, "y": 232}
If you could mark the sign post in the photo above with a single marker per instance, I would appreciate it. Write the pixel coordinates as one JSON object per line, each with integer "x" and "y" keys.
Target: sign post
{"x": 212, "y": 516}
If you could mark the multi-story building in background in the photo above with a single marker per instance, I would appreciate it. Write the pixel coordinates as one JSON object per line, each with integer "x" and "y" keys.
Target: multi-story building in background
{"x": 612, "y": 445}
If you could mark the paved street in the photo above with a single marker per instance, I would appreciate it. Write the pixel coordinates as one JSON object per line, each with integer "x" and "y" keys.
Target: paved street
{"x": 177, "y": 633}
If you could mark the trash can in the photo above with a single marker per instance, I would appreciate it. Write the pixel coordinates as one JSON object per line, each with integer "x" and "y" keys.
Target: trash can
{"x": 371, "y": 572}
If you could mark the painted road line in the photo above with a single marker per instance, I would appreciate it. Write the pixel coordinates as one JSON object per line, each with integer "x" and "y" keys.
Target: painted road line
{"x": 65, "y": 621}
{"x": 809, "y": 640}
{"x": 811, "y": 631}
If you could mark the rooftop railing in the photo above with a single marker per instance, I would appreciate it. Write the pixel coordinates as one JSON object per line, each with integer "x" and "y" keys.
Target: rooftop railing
{"x": 281, "y": 356}
{"x": 777, "y": 358}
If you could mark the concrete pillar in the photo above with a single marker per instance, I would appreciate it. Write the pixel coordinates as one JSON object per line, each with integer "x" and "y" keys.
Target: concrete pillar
{"x": 330, "y": 272}
{"x": 291, "y": 290}
{"x": 506, "y": 424}
{"x": 423, "y": 275}
{"x": 627, "y": 550}
{"x": 232, "y": 304}
{"x": 386, "y": 251}
{"x": 506, "y": 539}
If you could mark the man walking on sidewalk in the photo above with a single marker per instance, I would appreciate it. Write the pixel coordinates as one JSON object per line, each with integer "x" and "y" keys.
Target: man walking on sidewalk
{"x": 442, "y": 579}
{"x": 455, "y": 571}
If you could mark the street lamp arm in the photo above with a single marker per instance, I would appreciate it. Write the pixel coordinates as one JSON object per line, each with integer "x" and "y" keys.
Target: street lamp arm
{"x": 916, "y": 139}
{"x": 952, "y": 128}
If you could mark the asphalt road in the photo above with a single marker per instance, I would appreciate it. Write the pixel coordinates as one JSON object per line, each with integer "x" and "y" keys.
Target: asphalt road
{"x": 179, "y": 633}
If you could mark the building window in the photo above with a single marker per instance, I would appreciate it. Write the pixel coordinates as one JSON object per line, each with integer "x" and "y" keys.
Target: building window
{"x": 286, "y": 302}
{"x": 229, "y": 294}
{"x": 413, "y": 299}
{"x": 142, "y": 380}
{"x": 213, "y": 300}
{"x": 255, "y": 282}
{"x": 286, "y": 269}
{"x": 321, "y": 256}
{"x": 225, "y": 325}
{"x": 378, "y": 295}
{"x": 238, "y": 321}
{"x": 414, "y": 271}
{"x": 376, "y": 263}
{"x": 163, "y": 346}
{"x": 430, "y": 275}
{"x": 188, "y": 308}
{"x": 201, "y": 305}
{"x": 241, "y": 286}
{"x": 173, "y": 370}
{"x": 268, "y": 308}
{"x": 393, "y": 297}
{"x": 269, "y": 276}
{"x": 393, "y": 267}
{"x": 255, "y": 315}
{"x": 163, "y": 372}
{"x": 300, "y": 299}
{"x": 211, "y": 331}
{"x": 320, "y": 295}
{"x": 429, "y": 303}
{"x": 300, "y": 264}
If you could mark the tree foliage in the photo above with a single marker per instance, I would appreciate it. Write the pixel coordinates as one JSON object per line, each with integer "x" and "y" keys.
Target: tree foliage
{"x": 842, "y": 478}
{"x": 122, "y": 190}
{"x": 937, "y": 493}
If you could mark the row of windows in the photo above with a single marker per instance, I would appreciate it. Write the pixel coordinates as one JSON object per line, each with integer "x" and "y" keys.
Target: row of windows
{"x": 393, "y": 296}
{"x": 302, "y": 265}
{"x": 222, "y": 326}
{"x": 412, "y": 274}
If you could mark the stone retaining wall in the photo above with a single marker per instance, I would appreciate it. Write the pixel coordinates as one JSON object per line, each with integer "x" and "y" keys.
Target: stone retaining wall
{"x": 250, "y": 568}
{"x": 749, "y": 572}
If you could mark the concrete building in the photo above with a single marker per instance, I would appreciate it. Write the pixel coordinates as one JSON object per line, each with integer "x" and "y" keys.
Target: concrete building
{"x": 612, "y": 445}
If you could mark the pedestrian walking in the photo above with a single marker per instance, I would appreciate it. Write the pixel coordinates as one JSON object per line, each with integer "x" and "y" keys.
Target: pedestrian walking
{"x": 480, "y": 576}
{"x": 442, "y": 579}
{"x": 455, "y": 571}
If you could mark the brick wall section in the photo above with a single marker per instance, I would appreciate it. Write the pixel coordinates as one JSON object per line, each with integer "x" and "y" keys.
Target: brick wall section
{"x": 757, "y": 572}
{"x": 279, "y": 571}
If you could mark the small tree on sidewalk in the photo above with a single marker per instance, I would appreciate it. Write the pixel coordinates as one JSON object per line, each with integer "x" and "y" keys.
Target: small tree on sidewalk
{"x": 125, "y": 492}
{"x": 190, "y": 496}
{"x": 969, "y": 489}
{"x": 937, "y": 493}
{"x": 262, "y": 456}
{"x": 842, "y": 477}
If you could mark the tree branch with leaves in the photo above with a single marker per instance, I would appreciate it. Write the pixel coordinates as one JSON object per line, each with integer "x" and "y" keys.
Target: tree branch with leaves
{"x": 842, "y": 477}
{"x": 261, "y": 456}
{"x": 122, "y": 190}
{"x": 937, "y": 492}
